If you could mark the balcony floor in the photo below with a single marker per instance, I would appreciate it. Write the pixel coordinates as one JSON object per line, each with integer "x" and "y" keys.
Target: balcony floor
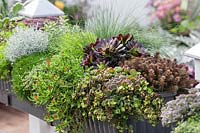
{"x": 13, "y": 121}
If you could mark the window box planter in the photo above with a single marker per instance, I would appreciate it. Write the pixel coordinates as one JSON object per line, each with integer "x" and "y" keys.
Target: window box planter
{"x": 8, "y": 98}
{"x": 92, "y": 126}
{"x": 4, "y": 91}
{"x": 26, "y": 106}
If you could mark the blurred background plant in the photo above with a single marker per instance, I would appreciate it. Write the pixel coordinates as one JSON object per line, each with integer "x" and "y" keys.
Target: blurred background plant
{"x": 8, "y": 19}
{"x": 179, "y": 17}
{"x": 76, "y": 12}
{"x": 110, "y": 18}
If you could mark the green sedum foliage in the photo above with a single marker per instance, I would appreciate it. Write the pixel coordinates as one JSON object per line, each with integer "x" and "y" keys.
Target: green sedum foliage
{"x": 116, "y": 95}
{"x": 21, "y": 68}
{"x": 192, "y": 125}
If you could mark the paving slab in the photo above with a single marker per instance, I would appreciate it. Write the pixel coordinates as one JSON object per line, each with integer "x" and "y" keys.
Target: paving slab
{"x": 12, "y": 120}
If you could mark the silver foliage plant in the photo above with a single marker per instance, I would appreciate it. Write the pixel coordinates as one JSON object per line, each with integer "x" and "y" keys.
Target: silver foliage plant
{"x": 181, "y": 108}
{"x": 24, "y": 42}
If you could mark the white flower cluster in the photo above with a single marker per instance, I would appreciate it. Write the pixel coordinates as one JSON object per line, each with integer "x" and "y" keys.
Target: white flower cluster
{"x": 25, "y": 42}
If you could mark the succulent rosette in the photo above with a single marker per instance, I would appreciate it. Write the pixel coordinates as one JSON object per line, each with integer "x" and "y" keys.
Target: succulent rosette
{"x": 111, "y": 51}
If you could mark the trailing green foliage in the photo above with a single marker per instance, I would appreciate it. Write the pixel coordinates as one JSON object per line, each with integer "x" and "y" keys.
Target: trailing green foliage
{"x": 52, "y": 84}
{"x": 115, "y": 95}
{"x": 192, "y": 125}
{"x": 21, "y": 68}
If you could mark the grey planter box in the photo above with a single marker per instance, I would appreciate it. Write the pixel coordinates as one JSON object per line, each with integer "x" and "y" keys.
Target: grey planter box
{"x": 93, "y": 126}
{"x": 139, "y": 127}
{"x": 26, "y": 106}
{"x": 8, "y": 98}
{"x": 5, "y": 87}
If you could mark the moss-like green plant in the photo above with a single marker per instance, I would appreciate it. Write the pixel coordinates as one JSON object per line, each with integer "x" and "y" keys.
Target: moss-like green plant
{"x": 21, "y": 68}
{"x": 115, "y": 94}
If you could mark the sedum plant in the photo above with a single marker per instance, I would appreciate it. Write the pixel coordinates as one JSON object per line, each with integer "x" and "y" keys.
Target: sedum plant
{"x": 21, "y": 68}
{"x": 25, "y": 42}
{"x": 189, "y": 126}
{"x": 115, "y": 95}
{"x": 111, "y": 51}
{"x": 181, "y": 108}
{"x": 162, "y": 74}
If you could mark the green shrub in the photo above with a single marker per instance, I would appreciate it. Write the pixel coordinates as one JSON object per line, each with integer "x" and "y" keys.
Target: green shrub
{"x": 192, "y": 125}
{"x": 116, "y": 94}
{"x": 21, "y": 68}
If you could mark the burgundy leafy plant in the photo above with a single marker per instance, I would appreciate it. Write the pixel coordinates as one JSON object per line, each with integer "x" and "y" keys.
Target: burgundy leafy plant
{"x": 111, "y": 51}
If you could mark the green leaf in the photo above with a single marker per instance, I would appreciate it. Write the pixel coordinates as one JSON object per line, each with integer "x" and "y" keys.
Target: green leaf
{"x": 15, "y": 9}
